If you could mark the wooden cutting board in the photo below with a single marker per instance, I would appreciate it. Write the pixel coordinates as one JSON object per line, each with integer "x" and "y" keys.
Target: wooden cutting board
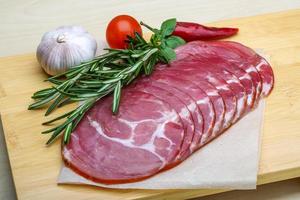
{"x": 35, "y": 167}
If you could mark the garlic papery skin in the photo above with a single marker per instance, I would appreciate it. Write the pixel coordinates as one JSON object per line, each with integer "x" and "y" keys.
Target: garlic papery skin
{"x": 65, "y": 47}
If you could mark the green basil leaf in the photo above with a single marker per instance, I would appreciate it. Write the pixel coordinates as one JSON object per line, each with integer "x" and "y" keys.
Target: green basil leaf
{"x": 168, "y": 54}
{"x": 167, "y": 27}
{"x": 174, "y": 41}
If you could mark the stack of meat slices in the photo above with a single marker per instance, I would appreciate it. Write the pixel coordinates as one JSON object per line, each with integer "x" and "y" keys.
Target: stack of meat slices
{"x": 167, "y": 116}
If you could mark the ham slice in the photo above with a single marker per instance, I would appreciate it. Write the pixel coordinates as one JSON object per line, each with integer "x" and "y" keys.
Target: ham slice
{"x": 202, "y": 100}
{"x": 165, "y": 117}
{"x": 180, "y": 108}
{"x": 185, "y": 97}
{"x": 210, "y": 90}
{"x": 147, "y": 144}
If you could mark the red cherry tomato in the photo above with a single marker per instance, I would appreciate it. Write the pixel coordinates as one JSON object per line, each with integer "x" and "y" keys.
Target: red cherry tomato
{"x": 118, "y": 29}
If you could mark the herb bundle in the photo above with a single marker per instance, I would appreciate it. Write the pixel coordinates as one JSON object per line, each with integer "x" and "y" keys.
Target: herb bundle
{"x": 104, "y": 75}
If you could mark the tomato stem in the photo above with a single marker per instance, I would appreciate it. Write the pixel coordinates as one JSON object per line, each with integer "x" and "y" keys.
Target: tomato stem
{"x": 147, "y": 26}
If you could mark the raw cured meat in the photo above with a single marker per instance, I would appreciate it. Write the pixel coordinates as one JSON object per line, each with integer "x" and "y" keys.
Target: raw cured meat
{"x": 223, "y": 88}
{"x": 218, "y": 77}
{"x": 200, "y": 97}
{"x": 209, "y": 89}
{"x": 165, "y": 117}
{"x": 179, "y": 107}
{"x": 191, "y": 105}
{"x": 241, "y": 57}
{"x": 147, "y": 143}
{"x": 262, "y": 66}
{"x": 231, "y": 62}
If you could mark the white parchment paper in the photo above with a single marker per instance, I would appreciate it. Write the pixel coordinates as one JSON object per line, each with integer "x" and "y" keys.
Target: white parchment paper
{"x": 230, "y": 161}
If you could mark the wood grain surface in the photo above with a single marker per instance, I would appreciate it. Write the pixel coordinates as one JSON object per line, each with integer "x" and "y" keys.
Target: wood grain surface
{"x": 35, "y": 167}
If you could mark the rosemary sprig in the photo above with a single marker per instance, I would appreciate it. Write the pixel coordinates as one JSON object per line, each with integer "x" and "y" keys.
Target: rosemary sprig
{"x": 104, "y": 75}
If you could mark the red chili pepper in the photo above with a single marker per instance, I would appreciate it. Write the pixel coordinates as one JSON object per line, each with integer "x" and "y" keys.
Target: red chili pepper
{"x": 192, "y": 31}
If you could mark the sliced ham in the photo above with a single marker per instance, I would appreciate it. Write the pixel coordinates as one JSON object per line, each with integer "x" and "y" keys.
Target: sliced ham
{"x": 219, "y": 73}
{"x": 199, "y": 96}
{"x": 237, "y": 56}
{"x": 230, "y": 61}
{"x": 197, "y": 115}
{"x": 224, "y": 89}
{"x": 179, "y": 107}
{"x": 165, "y": 117}
{"x": 262, "y": 66}
{"x": 254, "y": 65}
{"x": 134, "y": 144}
{"x": 210, "y": 90}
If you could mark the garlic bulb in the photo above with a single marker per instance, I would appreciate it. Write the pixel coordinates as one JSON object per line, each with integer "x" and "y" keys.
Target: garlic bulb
{"x": 65, "y": 47}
